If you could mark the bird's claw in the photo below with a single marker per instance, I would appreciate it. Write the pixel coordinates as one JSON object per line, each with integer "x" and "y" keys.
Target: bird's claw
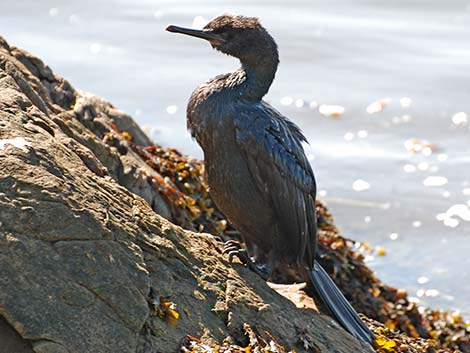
{"x": 241, "y": 254}
{"x": 232, "y": 243}
{"x": 233, "y": 248}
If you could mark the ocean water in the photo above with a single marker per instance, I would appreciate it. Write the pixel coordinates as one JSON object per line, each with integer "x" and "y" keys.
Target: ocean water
{"x": 394, "y": 166}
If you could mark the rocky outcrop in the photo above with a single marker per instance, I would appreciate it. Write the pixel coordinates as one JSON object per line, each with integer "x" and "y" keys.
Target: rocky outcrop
{"x": 89, "y": 260}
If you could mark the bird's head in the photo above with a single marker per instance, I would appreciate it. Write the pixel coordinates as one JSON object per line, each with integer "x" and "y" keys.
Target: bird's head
{"x": 238, "y": 36}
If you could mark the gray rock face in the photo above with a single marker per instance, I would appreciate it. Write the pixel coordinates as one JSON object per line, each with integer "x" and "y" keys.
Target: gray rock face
{"x": 80, "y": 245}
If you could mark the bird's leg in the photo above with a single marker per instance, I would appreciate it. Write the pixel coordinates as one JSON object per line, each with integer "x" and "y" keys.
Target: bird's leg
{"x": 234, "y": 248}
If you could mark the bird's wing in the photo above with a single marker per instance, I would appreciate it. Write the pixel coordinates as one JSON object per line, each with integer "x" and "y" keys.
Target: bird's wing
{"x": 277, "y": 162}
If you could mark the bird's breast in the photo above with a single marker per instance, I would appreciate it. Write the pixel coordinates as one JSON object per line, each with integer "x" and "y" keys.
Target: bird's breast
{"x": 210, "y": 117}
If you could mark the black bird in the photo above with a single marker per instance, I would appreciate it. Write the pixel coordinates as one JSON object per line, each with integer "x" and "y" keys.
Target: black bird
{"x": 257, "y": 170}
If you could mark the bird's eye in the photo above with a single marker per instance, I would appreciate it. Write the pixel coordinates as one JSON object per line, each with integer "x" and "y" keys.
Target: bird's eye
{"x": 222, "y": 32}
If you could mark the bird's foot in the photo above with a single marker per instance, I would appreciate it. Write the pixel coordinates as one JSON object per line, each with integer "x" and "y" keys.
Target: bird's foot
{"x": 233, "y": 248}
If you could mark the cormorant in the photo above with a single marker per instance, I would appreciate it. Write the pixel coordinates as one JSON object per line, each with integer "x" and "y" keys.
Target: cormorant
{"x": 257, "y": 170}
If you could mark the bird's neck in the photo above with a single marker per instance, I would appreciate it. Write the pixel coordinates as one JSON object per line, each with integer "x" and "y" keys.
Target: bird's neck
{"x": 259, "y": 74}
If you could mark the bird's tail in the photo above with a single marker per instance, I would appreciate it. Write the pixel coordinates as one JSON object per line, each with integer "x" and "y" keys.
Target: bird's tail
{"x": 337, "y": 304}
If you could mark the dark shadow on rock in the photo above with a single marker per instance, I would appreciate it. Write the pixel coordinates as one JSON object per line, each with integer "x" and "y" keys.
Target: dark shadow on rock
{"x": 11, "y": 341}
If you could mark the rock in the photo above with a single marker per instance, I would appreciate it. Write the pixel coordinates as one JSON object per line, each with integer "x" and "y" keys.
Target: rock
{"x": 11, "y": 341}
{"x": 296, "y": 294}
{"x": 82, "y": 254}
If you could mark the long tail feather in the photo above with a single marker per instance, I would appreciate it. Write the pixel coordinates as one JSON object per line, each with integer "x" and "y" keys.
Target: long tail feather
{"x": 337, "y": 304}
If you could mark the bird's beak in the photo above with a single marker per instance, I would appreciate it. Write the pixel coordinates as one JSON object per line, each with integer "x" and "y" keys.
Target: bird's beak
{"x": 213, "y": 38}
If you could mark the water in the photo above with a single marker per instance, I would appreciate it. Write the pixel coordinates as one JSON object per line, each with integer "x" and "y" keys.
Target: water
{"x": 332, "y": 52}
